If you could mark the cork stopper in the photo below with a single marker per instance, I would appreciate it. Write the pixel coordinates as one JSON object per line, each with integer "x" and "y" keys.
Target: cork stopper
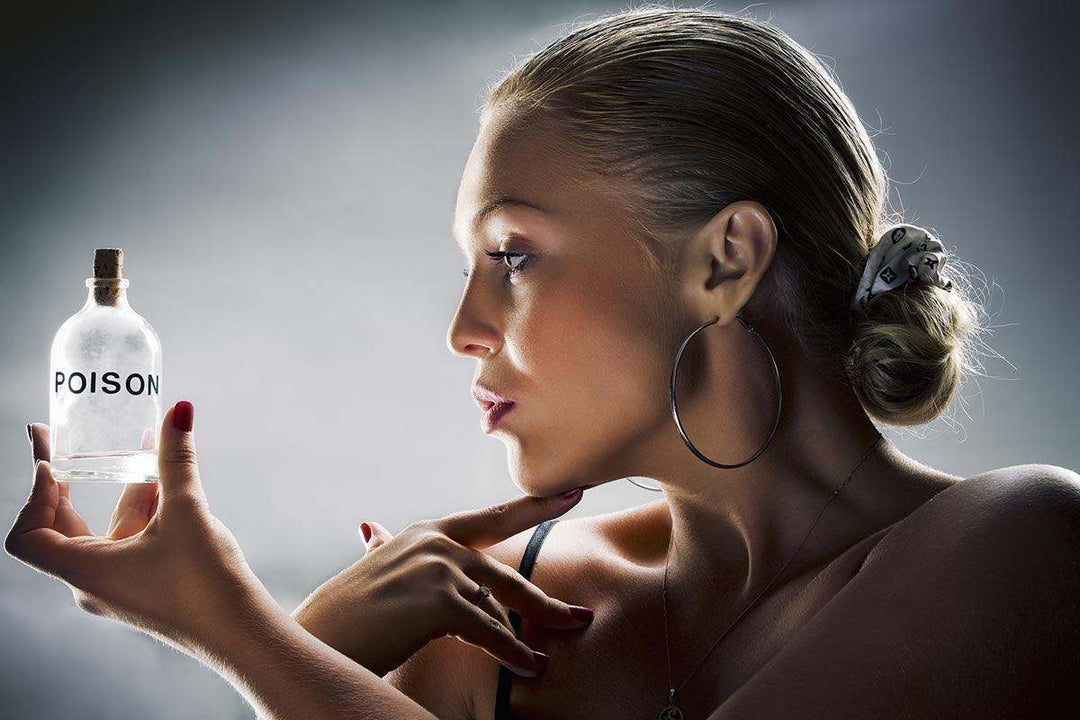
{"x": 108, "y": 263}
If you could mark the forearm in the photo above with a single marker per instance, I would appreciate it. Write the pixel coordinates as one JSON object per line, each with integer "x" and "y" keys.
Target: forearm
{"x": 352, "y": 639}
{"x": 286, "y": 673}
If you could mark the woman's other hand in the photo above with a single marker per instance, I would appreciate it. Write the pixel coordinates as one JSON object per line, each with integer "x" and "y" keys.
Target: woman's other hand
{"x": 167, "y": 565}
{"x": 424, "y": 583}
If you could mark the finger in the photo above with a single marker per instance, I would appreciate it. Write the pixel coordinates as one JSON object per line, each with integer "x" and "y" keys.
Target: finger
{"x": 379, "y": 535}
{"x": 475, "y": 626}
{"x": 486, "y": 526}
{"x": 491, "y": 606}
{"x": 49, "y": 505}
{"x": 40, "y": 508}
{"x": 137, "y": 502}
{"x": 178, "y": 468}
{"x": 512, "y": 589}
{"x": 133, "y": 510}
{"x": 68, "y": 521}
{"x": 39, "y": 441}
{"x": 33, "y": 539}
{"x": 149, "y": 439}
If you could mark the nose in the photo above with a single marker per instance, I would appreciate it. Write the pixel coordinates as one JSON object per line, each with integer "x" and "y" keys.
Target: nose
{"x": 469, "y": 335}
{"x": 471, "y": 339}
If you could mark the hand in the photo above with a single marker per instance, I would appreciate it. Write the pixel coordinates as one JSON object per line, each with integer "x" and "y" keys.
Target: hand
{"x": 166, "y": 566}
{"x": 423, "y": 584}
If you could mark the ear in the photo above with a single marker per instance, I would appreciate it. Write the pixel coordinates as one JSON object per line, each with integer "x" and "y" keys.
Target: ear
{"x": 727, "y": 258}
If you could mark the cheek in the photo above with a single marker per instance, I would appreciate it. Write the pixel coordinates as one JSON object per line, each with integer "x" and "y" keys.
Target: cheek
{"x": 596, "y": 377}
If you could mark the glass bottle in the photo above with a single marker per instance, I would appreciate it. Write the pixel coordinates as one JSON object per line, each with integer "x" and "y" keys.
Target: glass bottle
{"x": 105, "y": 385}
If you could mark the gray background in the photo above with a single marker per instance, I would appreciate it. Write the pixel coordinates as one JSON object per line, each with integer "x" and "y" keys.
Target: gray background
{"x": 282, "y": 180}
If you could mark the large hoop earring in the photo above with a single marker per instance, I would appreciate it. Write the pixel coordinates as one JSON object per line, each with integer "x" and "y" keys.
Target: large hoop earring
{"x": 675, "y": 410}
{"x": 779, "y": 396}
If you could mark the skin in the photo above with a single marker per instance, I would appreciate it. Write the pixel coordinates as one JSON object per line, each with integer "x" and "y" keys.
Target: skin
{"x": 170, "y": 568}
{"x": 917, "y": 596}
{"x": 578, "y": 339}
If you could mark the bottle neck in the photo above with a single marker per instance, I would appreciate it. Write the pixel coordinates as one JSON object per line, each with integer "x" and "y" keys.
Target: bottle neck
{"x": 110, "y": 292}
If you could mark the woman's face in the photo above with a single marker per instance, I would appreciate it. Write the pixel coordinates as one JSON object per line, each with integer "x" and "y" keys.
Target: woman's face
{"x": 573, "y": 334}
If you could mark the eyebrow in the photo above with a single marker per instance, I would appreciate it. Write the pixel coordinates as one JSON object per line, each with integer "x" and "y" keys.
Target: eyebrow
{"x": 498, "y": 203}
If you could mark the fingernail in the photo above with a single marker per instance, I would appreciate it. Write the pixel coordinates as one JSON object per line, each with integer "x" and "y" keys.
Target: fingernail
{"x": 183, "y": 418}
{"x": 366, "y": 530}
{"x": 569, "y": 494}
{"x": 29, "y": 433}
{"x": 541, "y": 658}
{"x": 523, "y": 672}
{"x": 581, "y": 613}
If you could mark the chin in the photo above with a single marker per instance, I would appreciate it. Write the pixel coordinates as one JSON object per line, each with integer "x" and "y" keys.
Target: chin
{"x": 543, "y": 479}
{"x": 533, "y": 478}
{"x": 534, "y": 483}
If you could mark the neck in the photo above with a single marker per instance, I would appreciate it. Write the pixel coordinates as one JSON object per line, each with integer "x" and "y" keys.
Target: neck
{"x": 107, "y": 293}
{"x": 731, "y": 530}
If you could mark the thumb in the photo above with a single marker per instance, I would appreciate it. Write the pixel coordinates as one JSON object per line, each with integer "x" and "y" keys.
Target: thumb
{"x": 376, "y": 535}
{"x": 177, "y": 465}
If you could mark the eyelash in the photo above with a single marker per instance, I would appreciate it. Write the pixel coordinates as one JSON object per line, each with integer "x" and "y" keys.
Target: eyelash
{"x": 501, "y": 256}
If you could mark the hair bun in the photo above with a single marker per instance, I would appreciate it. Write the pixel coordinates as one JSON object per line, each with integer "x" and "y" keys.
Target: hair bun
{"x": 910, "y": 347}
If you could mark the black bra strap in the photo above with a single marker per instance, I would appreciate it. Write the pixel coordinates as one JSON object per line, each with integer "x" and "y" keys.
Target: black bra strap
{"x": 502, "y": 695}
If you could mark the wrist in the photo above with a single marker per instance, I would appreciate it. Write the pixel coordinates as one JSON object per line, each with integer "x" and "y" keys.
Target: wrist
{"x": 284, "y": 672}
{"x": 212, "y": 627}
{"x": 347, "y": 634}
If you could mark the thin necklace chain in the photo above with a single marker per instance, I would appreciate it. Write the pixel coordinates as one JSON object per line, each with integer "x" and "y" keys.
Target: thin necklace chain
{"x": 672, "y": 689}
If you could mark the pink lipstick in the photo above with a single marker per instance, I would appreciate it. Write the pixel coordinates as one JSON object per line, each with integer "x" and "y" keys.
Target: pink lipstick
{"x": 491, "y": 416}
{"x": 494, "y": 405}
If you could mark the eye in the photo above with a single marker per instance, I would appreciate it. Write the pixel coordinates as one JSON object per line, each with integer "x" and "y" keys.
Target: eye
{"x": 508, "y": 258}
{"x": 522, "y": 259}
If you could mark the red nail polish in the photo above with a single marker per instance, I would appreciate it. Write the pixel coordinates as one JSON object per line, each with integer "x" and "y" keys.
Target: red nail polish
{"x": 183, "y": 416}
{"x": 583, "y": 614}
{"x": 366, "y": 530}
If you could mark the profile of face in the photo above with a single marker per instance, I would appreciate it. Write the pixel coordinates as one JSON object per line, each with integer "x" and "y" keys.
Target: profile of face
{"x": 576, "y": 326}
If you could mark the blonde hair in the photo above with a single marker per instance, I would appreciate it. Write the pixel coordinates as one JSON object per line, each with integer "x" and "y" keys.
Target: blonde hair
{"x": 690, "y": 110}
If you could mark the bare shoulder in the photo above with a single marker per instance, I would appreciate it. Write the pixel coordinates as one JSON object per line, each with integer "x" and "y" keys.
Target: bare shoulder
{"x": 449, "y": 677}
{"x": 437, "y": 676}
{"x": 582, "y": 557}
{"x": 966, "y": 608}
{"x": 577, "y": 563}
{"x": 1023, "y": 508}
{"x": 455, "y": 680}
{"x": 589, "y": 539}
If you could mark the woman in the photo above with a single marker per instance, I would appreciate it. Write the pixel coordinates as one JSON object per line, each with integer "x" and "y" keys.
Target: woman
{"x": 679, "y": 267}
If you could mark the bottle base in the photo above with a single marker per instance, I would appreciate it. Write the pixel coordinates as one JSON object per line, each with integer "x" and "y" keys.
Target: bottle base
{"x": 101, "y": 477}
{"x": 135, "y": 466}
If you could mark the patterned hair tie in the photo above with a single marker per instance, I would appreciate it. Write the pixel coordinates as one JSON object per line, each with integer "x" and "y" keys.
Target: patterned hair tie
{"x": 904, "y": 253}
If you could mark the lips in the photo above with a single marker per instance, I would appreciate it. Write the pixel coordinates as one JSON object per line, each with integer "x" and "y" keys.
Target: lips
{"x": 492, "y": 414}
{"x": 493, "y": 403}
{"x": 486, "y": 397}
